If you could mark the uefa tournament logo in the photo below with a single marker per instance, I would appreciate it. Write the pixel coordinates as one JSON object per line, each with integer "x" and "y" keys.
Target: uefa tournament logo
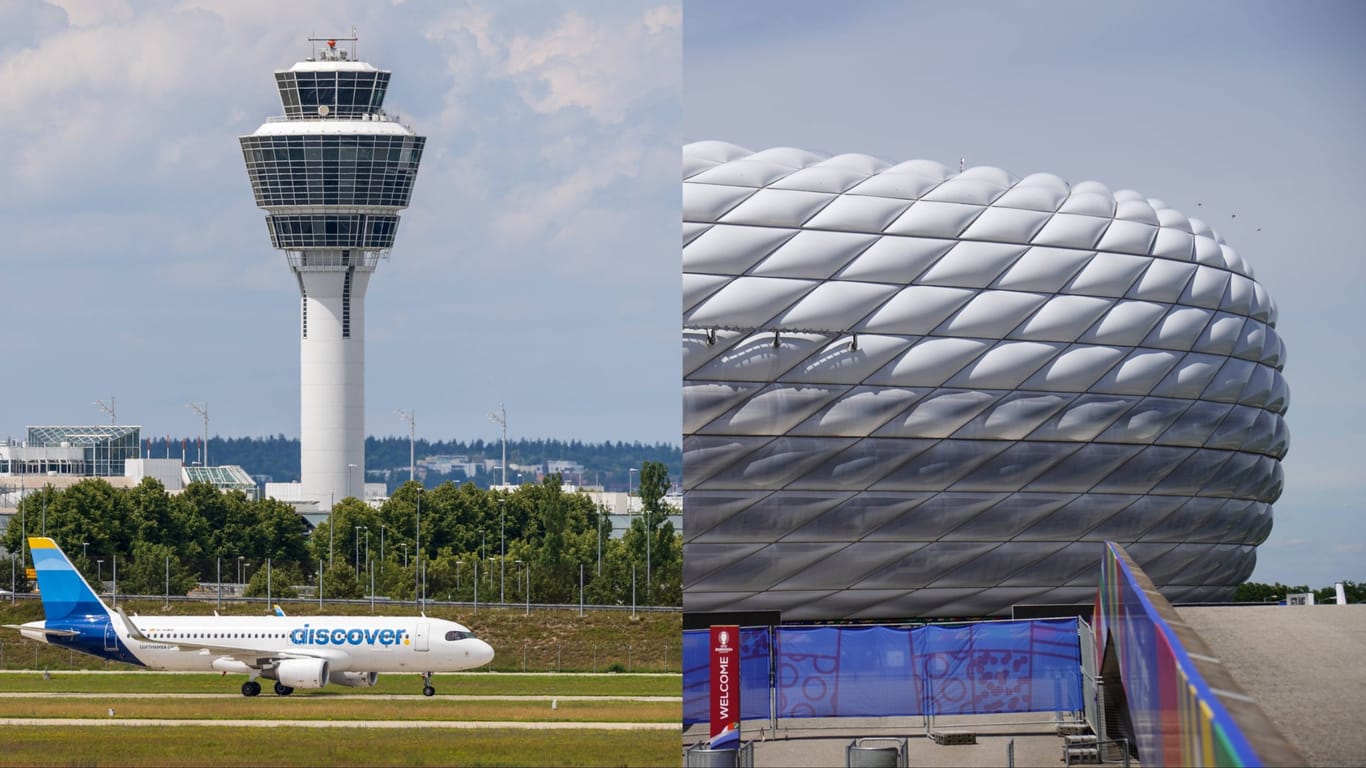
{"x": 723, "y": 642}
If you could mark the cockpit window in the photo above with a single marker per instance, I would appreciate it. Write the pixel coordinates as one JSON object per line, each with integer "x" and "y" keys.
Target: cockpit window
{"x": 456, "y": 634}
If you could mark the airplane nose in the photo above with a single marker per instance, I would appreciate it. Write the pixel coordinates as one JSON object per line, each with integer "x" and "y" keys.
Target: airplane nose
{"x": 483, "y": 652}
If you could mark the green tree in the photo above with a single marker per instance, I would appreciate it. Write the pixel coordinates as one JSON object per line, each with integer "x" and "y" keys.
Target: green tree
{"x": 277, "y": 579}
{"x": 340, "y": 583}
{"x": 148, "y": 572}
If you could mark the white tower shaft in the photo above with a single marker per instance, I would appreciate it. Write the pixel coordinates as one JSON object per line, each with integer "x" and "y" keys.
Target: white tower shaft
{"x": 332, "y": 383}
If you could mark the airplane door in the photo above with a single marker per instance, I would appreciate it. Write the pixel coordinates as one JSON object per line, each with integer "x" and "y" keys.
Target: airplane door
{"x": 111, "y": 642}
{"x": 420, "y": 641}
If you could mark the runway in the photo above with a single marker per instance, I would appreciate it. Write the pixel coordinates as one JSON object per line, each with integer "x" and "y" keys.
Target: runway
{"x": 383, "y": 724}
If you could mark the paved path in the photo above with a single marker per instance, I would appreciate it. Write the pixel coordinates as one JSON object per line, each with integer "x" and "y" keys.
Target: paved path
{"x": 389, "y": 724}
{"x": 1303, "y": 666}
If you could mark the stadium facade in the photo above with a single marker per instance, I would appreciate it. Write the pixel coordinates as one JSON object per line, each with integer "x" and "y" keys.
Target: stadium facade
{"x": 909, "y": 392}
{"x": 332, "y": 175}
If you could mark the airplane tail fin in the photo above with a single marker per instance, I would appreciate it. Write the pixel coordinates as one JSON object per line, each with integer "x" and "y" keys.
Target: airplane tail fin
{"x": 64, "y": 591}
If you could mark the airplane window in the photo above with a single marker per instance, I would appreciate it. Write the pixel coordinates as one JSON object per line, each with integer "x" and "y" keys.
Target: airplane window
{"x": 456, "y": 634}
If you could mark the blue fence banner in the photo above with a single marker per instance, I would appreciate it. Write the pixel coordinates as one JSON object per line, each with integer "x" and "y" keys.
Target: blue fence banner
{"x": 880, "y": 671}
{"x": 755, "y": 645}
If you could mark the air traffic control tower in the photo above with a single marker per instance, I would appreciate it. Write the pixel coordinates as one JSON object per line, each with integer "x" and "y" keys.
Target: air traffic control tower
{"x": 332, "y": 175}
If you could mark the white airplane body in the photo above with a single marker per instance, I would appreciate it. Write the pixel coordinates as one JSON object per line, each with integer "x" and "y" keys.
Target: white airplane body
{"x": 294, "y": 651}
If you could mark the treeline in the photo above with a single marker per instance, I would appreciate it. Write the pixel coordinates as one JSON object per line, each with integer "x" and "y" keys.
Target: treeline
{"x": 606, "y": 463}
{"x": 1254, "y": 592}
{"x": 534, "y": 537}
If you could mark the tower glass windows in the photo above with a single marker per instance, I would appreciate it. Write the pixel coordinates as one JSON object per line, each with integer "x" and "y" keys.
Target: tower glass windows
{"x": 345, "y": 94}
{"x": 332, "y": 170}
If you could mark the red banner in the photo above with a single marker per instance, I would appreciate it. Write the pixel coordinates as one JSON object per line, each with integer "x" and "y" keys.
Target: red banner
{"x": 725, "y": 681}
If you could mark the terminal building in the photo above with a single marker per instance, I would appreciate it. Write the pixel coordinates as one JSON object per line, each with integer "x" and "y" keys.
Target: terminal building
{"x": 61, "y": 456}
{"x": 914, "y": 392}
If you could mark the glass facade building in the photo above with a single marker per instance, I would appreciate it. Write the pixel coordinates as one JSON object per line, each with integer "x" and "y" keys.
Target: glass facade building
{"x": 912, "y": 392}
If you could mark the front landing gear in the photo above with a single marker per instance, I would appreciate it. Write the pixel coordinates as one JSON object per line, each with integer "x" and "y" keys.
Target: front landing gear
{"x": 251, "y": 688}
{"x": 282, "y": 689}
{"x": 427, "y": 689}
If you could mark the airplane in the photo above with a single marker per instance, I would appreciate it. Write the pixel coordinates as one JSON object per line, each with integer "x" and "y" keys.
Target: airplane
{"x": 295, "y": 651}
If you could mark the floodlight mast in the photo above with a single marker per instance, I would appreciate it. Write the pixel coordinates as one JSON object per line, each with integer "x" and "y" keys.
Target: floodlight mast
{"x": 332, "y": 176}
{"x": 501, "y": 419}
{"x": 203, "y": 410}
{"x": 411, "y": 418}
{"x": 109, "y": 409}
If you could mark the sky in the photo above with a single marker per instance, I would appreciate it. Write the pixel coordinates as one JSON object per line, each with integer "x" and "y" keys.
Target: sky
{"x": 1219, "y": 108}
{"x": 536, "y": 265}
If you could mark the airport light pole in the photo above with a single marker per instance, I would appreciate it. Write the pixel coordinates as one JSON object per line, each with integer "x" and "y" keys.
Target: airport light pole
{"x": 357, "y": 550}
{"x": 405, "y": 553}
{"x": 99, "y": 574}
{"x": 239, "y": 570}
{"x": 411, "y": 418}
{"x": 84, "y": 544}
{"x": 502, "y": 551}
{"x": 349, "y": 467}
{"x": 382, "y": 529}
{"x": 630, "y": 485}
{"x": 519, "y": 565}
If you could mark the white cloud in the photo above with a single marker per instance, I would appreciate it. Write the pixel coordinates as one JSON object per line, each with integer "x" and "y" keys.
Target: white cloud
{"x": 89, "y": 13}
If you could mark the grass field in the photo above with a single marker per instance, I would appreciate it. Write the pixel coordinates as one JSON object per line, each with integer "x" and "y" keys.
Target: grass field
{"x": 214, "y": 746}
{"x": 151, "y": 695}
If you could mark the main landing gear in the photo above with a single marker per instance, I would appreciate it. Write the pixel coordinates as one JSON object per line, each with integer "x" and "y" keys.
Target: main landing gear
{"x": 427, "y": 689}
{"x": 252, "y": 688}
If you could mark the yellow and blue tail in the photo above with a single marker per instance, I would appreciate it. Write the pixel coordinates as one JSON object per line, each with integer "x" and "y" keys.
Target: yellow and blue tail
{"x": 66, "y": 595}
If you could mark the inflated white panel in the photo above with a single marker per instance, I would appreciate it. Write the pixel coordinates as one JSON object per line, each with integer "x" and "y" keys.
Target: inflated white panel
{"x": 1128, "y": 237}
{"x": 727, "y": 250}
{"x": 849, "y": 359}
{"x": 777, "y": 208}
{"x": 1163, "y": 281}
{"x": 1108, "y": 274}
{"x": 811, "y": 254}
{"x": 705, "y": 402}
{"x": 1010, "y": 225}
{"x": 1006, "y": 365}
{"x": 1180, "y": 328}
{"x": 916, "y": 310}
{"x": 692, "y": 229}
{"x": 972, "y": 264}
{"x": 773, "y": 411}
{"x": 698, "y": 287}
{"x": 858, "y": 213}
{"x": 1139, "y": 373}
{"x": 748, "y": 302}
{"x": 1063, "y": 318}
{"x": 1072, "y": 231}
{"x": 931, "y": 219}
{"x": 1190, "y": 376}
{"x": 896, "y": 260}
{"x": 1206, "y": 289}
{"x": 834, "y": 306}
{"x": 821, "y": 178}
{"x": 1222, "y": 333}
{"x": 930, "y": 362}
{"x": 709, "y": 202}
{"x": 991, "y": 314}
{"x": 1045, "y": 270}
{"x": 1075, "y": 369}
{"x": 945, "y": 390}
{"x": 859, "y": 413}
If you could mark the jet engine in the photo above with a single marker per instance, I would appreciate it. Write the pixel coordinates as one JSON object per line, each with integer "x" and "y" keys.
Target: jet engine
{"x": 301, "y": 673}
{"x": 354, "y": 679}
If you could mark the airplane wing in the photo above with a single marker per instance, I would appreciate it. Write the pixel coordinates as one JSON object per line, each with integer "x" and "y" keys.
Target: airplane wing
{"x": 254, "y": 657}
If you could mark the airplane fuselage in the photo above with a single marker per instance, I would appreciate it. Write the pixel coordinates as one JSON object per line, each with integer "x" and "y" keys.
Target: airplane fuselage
{"x": 348, "y": 643}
